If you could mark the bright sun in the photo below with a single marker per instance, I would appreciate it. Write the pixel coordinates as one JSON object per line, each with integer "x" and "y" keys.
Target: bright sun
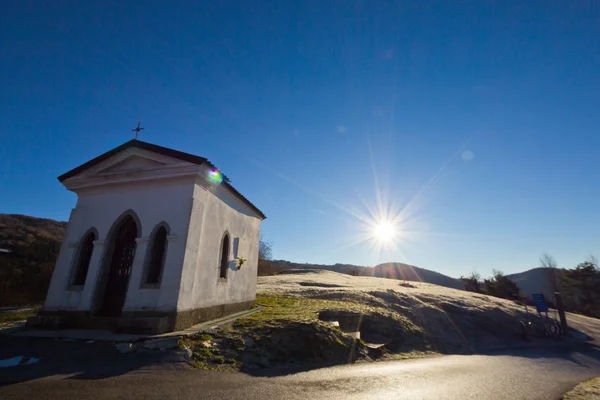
{"x": 384, "y": 231}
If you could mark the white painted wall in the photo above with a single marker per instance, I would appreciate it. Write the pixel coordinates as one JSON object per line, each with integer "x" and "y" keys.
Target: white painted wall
{"x": 198, "y": 214}
{"x": 153, "y": 202}
{"x": 215, "y": 211}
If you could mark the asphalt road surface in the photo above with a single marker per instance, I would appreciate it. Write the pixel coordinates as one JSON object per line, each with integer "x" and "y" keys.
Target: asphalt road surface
{"x": 590, "y": 326}
{"x": 79, "y": 370}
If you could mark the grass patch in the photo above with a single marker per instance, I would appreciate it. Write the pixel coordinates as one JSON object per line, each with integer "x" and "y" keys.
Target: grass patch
{"x": 588, "y": 390}
{"x": 209, "y": 358}
{"x": 288, "y": 332}
{"x": 280, "y": 310}
{"x": 218, "y": 359}
{"x": 411, "y": 354}
{"x": 206, "y": 337}
{"x": 10, "y": 316}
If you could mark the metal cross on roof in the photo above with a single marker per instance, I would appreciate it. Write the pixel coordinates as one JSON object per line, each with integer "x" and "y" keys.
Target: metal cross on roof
{"x": 137, "y": 130}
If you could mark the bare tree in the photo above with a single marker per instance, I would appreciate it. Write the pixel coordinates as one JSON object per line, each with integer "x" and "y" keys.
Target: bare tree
{"x": 548, "y": 262}
{"x": 266, "y": 265}
{"x": 265, "y": 251}
{"x": 472, "y": 282}
{"x": 592, "y": 259}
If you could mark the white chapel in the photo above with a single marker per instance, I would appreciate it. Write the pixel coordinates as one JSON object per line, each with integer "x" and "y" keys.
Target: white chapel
{"x": 159, "y": 240}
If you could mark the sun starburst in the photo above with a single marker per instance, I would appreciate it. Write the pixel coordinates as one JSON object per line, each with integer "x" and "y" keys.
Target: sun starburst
{"x": 384, "y": 231}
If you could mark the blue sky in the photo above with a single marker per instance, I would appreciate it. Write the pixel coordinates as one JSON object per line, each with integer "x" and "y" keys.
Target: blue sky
{"x": 477, "y": 123}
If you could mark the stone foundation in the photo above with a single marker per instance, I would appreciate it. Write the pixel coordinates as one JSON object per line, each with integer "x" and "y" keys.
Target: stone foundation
{"x": 149, "y": 322}
{"x": 185, "y": 319}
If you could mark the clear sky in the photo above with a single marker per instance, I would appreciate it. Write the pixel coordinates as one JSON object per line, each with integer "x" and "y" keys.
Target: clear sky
{"x": 476, "y": 127}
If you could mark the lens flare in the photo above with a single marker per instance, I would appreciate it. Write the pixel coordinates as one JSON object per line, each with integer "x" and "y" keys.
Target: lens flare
{"x": 215, "y": 176}
{"x": 384, "y": 231}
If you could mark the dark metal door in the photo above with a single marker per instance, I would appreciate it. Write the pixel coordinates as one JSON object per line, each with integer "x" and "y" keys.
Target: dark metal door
{"x": 120, "y": 269}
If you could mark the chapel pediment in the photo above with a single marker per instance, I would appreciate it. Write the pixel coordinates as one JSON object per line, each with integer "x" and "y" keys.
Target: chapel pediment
{"x": 137, "y": 162}
{"x": 131, "y": 163}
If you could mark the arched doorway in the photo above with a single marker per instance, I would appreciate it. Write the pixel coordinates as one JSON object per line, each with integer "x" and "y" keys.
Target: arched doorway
{"x": 121, "y": 261}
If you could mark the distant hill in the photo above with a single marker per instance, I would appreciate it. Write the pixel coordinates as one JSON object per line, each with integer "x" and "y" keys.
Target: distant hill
{"x": 532, "y": 281}
{"x": 348, "y": 269}
{"x": 536, "y": 280}
{"x": 388, "y": 270}
{"x": 34, "y": 244}
{"x": 411, "y": 273}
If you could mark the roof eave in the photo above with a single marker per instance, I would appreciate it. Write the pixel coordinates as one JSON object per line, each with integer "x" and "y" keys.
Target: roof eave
{"x": 161, "y": 150}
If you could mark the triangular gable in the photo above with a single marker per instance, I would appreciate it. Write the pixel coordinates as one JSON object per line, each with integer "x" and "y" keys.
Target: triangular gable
{"x": 136, "y": 155}
{"x": 131, "y": 159}
{"x": 132, "y": 162}
{"x": 137, "y": 144}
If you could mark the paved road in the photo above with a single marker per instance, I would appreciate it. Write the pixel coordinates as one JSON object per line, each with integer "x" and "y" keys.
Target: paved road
{"x": 587, "y": 325}
{"x": 76, "y": 370}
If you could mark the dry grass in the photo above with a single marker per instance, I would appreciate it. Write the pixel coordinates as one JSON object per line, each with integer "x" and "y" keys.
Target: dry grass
{"x": 588, "y": 390}
{"x": 12, "y": 316}
{"x": 395, "y": 321}
{"x": 452, "y": 321}
{"x": 283, "y": 309}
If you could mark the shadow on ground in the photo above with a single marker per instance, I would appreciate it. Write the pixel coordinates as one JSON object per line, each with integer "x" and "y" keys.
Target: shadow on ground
{"x": 78, "y": 359}
{"x": 584, "y": 354}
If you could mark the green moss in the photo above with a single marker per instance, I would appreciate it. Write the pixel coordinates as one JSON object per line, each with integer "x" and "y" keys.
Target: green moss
{"x": 199, "y": 364}
{"x": 409, "y": 355}
{"x": 202, "y": 352}
{"x": 230, "y": 367}
{"x": 206, "y": 337}
{"x": 6, "y": 317}
{"x": 218, "y": 359}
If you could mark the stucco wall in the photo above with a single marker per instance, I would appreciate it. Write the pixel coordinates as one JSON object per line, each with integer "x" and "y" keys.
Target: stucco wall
{"x": 197, "y": 213}
{"x": 153, "y": 202}
{"x": 216, "y": 211}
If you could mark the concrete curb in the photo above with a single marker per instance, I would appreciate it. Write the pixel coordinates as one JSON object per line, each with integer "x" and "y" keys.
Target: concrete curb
{"x": 108, "y": 336}
{"x": 215, "y": 323}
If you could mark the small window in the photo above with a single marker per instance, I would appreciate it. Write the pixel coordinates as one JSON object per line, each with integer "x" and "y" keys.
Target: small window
{"x": 86, "y": 247}
{"x": 224, "y": 257}
{"x": 157, "y": 256}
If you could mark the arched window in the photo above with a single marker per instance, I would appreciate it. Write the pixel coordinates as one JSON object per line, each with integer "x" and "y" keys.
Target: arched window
{"x": 157, "y": 256}
{"x": 224, "y": 257}
{"x": 86, "y": 247}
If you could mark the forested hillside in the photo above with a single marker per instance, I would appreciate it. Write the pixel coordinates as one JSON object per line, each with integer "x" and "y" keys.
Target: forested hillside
{"x": 34, "y": 244}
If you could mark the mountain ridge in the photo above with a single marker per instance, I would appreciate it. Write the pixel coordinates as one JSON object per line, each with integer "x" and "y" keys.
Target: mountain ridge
{"x": 535, "y": 280}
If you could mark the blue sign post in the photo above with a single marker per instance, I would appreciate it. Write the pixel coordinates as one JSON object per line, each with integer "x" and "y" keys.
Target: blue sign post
{"x": 540, "y": 302}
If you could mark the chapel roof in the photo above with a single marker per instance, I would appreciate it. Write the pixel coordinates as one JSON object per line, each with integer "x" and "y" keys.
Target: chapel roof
{"x": 180, "y": 155}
